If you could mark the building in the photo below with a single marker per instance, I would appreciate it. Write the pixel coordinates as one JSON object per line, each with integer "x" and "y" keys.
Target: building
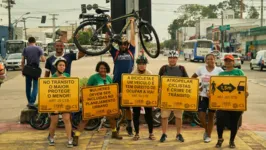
{"x": 3, "y": 39}
{"x": 183, "y": 34}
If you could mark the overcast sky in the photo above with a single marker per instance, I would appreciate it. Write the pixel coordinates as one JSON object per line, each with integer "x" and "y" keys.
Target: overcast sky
{"x": 69, "y": 10}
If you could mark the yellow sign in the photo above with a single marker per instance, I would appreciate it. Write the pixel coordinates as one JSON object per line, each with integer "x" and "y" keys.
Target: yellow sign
{"x": 179, "y": 93}
{"x": 99, "y": 101}
{"x": 228, "y": 93}
{"x": 58, "y": 95}
{"x": 140, "y": 90}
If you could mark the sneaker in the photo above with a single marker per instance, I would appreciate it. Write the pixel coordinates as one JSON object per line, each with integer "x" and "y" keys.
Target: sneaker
{"x": 180, "y": 138}
{"x": 207, "y": 140}
{"x": 205, "y": 136}
{"x": 75, "y": 140}
{"x": 70, "y": 143}
{"x": 50, "y": 141}
{"x": 129, "y": 131}
{"x": 163, "y": 138}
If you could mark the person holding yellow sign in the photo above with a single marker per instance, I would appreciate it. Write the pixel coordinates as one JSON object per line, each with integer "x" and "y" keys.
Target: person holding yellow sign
{"x": 100, "y": 78}
{"x": 141, "y": 69}
{"x": 234, "y": 116}
{"x": 204, "y": 73}
{"x": 172, "y": 69}
{"x": 60, "y": 65}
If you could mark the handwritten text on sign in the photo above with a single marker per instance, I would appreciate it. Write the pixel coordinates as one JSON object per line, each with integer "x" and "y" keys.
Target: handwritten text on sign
{"x": 99, "y": 101}
{"x": 140, "y": 90}
{"x": 228, "y": 93}
{"x": 179, "y": 93}
{"x": 58, "y": 94}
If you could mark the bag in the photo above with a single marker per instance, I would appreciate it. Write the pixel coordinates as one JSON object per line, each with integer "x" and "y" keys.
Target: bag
{"x": 117, "y": 53}
{"x": 31, "y": 71}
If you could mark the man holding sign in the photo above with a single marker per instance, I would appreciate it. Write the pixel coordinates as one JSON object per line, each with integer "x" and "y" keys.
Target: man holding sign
{"x": 172, "y": 69}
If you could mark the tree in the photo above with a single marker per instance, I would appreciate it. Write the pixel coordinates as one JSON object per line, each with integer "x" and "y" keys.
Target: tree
{"x": 170, "y": 44}
{"x": 235, "y": 5}
{"x": 83, "y": 37}
{"x": 253, "y": 13}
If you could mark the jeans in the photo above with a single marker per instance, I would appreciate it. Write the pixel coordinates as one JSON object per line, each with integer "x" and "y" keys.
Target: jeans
{"x": 148, "y": 118}
{"x": 31, "y": 95}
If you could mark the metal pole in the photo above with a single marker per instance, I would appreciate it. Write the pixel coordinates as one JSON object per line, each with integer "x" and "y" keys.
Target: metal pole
{"x": 261, "y": 12}
{"x": 54, "y": 25}
{"x": 9, "y": 20}
{"x": 241, "y": 9}
{"x": 25, "y": 29}
{"x": 222, "y": 33}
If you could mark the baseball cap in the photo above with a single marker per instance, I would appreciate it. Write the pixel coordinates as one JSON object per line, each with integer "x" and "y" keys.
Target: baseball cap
{"x": 231, "y": 57}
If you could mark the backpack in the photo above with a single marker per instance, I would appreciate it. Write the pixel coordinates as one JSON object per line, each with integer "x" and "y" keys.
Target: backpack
{"x": 164, "y": 70}
{"x": 117, "y": 53}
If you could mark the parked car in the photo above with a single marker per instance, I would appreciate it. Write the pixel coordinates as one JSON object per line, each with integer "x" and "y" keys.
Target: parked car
{"x": 220, "y": 60}
{"x": 13, "y": 61}
{"x": 259, "y": 61}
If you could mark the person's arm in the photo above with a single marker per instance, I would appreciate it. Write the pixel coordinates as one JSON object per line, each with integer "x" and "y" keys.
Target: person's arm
{"x": 41, "y": 55}
{"x": 185, "y": 72}
{"x": 91, "y": 81}
{"x": 23, "y": 59}
{"x": 80, "y": 54}
{"x": 47, "y": 69}
{"x": 161, "y": 71}
{"x": 194, "y": 75}
{"x": 132, "y": 32}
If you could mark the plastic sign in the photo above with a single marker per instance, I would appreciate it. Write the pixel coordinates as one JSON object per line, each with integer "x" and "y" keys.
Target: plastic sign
{"x": 140, "y": 90}
{"x": 58, "y": 95}
{"x": 228, "y": 93}
{"x": 99, "y": 101}
{"x": 179, "y": 93}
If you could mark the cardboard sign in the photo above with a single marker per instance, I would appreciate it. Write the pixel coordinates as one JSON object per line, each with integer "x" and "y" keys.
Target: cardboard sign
{"x": 58, "y": 95}
{"x": 179, "y": 93}
{"x": 228, "y": 93}
{"x": 99, "y": 101}
{"x": 140, "y": 90}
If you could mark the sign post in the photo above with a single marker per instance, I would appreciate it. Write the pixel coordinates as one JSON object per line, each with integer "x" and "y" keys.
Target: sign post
{"x": 179, "y": 93}
{"x": 58, "y": 95}
{"x": 224, "y": 28}
{"x": 228, "y": 93}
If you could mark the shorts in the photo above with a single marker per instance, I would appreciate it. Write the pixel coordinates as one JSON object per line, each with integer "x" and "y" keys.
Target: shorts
{"x": 204, "y": 104}
{"x": 177, "y": 113}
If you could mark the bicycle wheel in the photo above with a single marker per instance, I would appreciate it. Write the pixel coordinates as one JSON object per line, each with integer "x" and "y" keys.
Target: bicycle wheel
{"x": 76, "y": 118}
{"x": 149, "y": 40}
{"x": 91, "y": 41}
{"x": 40, "y": 121}
{"x": 93, "y": 124}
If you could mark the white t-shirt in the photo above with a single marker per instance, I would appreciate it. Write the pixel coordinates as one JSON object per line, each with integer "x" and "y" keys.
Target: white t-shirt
{"x": 205, "y": 77}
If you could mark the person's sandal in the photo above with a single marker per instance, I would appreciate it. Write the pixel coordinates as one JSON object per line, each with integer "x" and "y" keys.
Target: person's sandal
{"x": 219, "y": 143}
{"x": 232, "y": 144}
{"x": 136, "y": 137}
{"x": 152, "y": 137}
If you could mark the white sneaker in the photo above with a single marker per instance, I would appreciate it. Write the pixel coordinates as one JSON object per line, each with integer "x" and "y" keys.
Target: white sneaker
{"x": 205, "y": 135}
{"x": 207, "y": 140}
{"x": 70, "y": 143}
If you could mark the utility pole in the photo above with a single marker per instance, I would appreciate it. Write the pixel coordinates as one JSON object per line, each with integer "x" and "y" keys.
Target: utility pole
{"x": 261, "y": 12}
{"x": 9, "y": 20}
{"x": 222, "y": 33}
{"x": 25, "y": 29}
{"x": 54, "y": 18}
{"x": 241, "y": 9}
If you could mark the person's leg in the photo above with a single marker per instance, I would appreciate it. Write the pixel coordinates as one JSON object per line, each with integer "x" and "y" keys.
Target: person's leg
{"x": 34, "y": 91}
{"x": 148, "y": 119}
{"x": 28, "y": 88}
{"x": 53, "y": 124}
{"x": 128, "y": 115}
{"x": 136, "y": 115}
{"x": 164, "y": 115}
{"x": 220, "y": 118}
{"x": 113, "y": 124}
{"x": 210, "y": 123}
{"x": 234, "y": 119}
{"x": 179, "y": 122}
{"x": 68, "y": 126}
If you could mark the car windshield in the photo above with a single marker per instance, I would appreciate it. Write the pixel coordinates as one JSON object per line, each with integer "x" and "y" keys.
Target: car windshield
{"x": 14, "y": 56}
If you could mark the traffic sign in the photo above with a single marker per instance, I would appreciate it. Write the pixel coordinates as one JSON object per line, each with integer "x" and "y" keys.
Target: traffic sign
{"x": 225, "y": 27}
{"x": 228, "y": 93}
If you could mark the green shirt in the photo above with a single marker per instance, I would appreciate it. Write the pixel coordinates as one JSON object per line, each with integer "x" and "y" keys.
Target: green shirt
{"x": 234, "y": 72}
{"x": 96, "y": 79}
{"x": 64, "y": 74}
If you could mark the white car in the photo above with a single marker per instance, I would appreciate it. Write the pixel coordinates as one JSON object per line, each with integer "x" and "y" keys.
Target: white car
{"x": 13, "y": 61}
{"x": 220, "y": 60}
{"x": 259, "y": 61}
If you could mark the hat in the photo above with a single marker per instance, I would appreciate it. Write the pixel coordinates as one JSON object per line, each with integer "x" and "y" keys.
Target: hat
{"x": 231, "y": 57}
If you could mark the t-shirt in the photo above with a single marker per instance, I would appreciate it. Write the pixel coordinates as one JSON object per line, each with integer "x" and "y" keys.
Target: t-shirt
{"x": 96, "y": 79}
{"x": 32, "y": 55}
{"x": 124, "y": 63}
{"x": 147, "y": 72}
{"x": 64, "y": 74}
{"x": 178, "y": 71}
{"x": 205, "y": 77}
{"x": 234, "y": 72}
{"x": 69, "y": 58}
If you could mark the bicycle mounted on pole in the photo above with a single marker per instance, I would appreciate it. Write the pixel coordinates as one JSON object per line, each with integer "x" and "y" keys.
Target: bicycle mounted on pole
{"x": 100, "y": 40}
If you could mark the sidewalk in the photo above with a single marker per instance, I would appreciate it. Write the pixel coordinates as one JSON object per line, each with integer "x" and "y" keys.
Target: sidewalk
{"x": 28, "y": 138}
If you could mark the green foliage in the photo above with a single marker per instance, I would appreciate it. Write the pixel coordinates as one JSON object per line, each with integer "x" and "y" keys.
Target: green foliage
{"x": 253, "y": 13}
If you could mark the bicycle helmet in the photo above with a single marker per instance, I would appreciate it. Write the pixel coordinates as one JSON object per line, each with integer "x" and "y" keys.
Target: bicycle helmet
{"x": 173, "y": 53}
{"x": 142, "y": 59}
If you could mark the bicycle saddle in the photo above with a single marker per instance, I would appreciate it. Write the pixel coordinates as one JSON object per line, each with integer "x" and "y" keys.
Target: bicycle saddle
{"x": 100, "y": 11}
{"x": 86, "y": 16}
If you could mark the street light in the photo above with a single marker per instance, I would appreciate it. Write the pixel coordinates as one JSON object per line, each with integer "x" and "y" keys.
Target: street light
{"x": 24, "y": 20}
{"x": 17, "y": 20}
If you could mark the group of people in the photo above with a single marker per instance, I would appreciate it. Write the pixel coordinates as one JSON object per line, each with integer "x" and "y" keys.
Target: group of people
{"x": 59, "y": 65}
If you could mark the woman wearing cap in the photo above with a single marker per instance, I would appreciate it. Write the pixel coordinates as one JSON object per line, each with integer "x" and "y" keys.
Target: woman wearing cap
{"x": 204, "y": 73}
{"x": 233, "y": 116}
{"x": 60, "y": 65}
{"x": 99, "y": 78}
{"x": 141, "y": 69}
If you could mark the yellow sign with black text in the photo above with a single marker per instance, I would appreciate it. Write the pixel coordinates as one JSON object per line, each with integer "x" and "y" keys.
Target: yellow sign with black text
{"x": 228, "y": 93}
{"x": 179, "y": 93}
{"x": 99, "y": 101}
{"x": 58, "y": 95}
{"x": 140, "y": 90}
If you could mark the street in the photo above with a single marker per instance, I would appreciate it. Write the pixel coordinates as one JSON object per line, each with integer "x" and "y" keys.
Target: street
{"x": 13, "y": 100}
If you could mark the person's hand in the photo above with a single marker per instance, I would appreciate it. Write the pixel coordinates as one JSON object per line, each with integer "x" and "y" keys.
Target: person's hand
{"x": 132, "y": 20}
{"x": 247, "y": 94}
{"x": 109, "y": 25}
